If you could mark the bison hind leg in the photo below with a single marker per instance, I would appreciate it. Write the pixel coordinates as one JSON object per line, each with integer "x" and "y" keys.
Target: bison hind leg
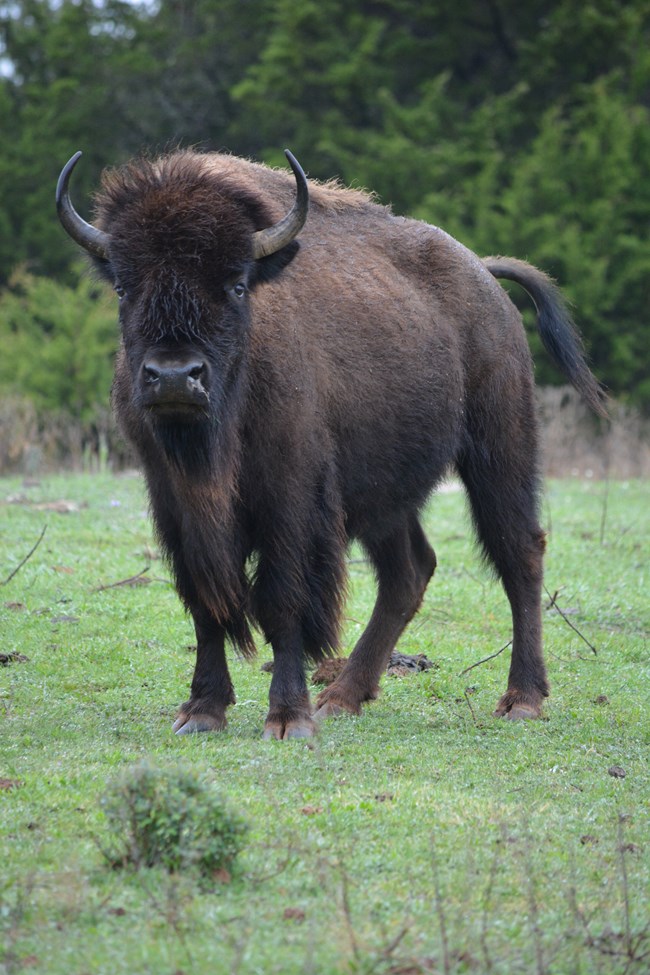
{"x": 499, "y": 467}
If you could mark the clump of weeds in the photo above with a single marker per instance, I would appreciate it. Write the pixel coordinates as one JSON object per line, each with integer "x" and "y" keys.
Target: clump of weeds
{"x": 171, "y": 818}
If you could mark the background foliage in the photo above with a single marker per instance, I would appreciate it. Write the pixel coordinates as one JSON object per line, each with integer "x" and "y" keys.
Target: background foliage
{"x": 520, "y": 128}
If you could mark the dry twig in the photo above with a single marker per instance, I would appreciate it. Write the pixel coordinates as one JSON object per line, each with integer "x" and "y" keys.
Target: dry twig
{"x": 485, "y": 659}
{"x": 553, "y": 605}
{"x": 132, "y": 580}
{"x": 27, "y": 557}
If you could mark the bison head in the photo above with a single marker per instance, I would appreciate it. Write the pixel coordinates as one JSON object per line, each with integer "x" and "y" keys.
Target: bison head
{"x": 183, "y": 242}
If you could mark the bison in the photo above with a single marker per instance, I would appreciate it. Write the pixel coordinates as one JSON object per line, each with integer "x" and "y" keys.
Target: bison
{"x": 298, "y": 368}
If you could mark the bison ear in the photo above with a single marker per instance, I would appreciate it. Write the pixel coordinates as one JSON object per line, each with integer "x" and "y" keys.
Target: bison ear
{"x": 267, "y": 268}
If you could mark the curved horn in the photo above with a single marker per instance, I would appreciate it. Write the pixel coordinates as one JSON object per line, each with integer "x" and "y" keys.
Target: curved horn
{"x": 93, "y": 240}
{"x": 273, "y": 238}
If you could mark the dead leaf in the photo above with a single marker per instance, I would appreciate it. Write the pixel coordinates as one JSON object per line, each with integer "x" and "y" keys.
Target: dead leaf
{"x": 61, "y": 507}
{"x": 222, "y": 876}
{"x": 630, "y": 848}
{"x": 294, "y": 914}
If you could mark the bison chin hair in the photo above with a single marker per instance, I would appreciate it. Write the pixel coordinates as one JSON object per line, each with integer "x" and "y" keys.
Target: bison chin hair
{"x": 189, "y": 446}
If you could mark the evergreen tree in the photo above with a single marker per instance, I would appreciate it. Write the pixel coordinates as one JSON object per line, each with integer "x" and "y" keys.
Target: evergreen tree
{"x": 520, "y": 128}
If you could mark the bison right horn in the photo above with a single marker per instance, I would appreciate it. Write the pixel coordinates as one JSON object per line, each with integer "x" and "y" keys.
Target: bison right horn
{"x": 93, "y": 240}
{"x": 274, "y": 238}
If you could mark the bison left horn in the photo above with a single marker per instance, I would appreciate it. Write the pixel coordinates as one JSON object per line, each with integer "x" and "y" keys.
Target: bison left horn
{"x": 93, "y": 240}
{"x": 274, "y": 238}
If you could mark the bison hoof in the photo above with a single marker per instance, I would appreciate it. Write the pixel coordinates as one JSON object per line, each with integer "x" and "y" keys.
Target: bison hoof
{"x": 515, "y": 708}
{"x": 335, "y": 700}
{"x": 279, "y": 731}
{"x": 522, "y": 712}
{"x": 191, "y": 724}
{"x": 330, "y": 710}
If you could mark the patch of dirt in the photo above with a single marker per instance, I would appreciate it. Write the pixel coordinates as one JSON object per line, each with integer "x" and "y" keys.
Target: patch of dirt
{"x": 7, "y": 784}
{"x": 12, "y": 658}
{"x": 328, "y": 670}
{"x": 403, "y": 664}
{"x": 399, "y": 665}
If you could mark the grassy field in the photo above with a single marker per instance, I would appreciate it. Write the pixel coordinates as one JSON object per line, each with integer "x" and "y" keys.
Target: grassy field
{"x": 424, "y": 836}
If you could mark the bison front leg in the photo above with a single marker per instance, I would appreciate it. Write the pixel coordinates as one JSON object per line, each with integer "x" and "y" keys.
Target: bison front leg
{"x": 289, "y": 706}
{"x": 212, "y": 691}
{"x": 404, "y": 562}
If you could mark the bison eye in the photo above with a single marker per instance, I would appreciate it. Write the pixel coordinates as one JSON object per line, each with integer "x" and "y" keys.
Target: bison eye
{"x": 119, "y": 291}
{"x": 238, "y": 290}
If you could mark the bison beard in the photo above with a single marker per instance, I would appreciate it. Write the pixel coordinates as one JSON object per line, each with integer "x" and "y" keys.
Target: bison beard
{"x": 286, "y": 396}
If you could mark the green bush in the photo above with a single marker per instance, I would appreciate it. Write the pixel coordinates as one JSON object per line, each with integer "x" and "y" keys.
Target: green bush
{"x": 170, "y": 818}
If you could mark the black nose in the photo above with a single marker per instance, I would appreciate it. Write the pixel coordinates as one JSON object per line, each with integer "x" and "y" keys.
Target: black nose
{"x": 175, "y": 381}
{"x": 174, "y": 374}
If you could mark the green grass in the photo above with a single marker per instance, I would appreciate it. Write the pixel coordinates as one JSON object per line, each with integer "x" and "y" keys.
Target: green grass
{"x": 423, "y": 836}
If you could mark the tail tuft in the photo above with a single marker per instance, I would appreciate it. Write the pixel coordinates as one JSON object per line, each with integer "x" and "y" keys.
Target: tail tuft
{"x": 557, "y": 331}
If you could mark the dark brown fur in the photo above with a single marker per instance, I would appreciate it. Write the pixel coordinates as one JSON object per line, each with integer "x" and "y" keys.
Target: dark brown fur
{"x": 359, "y": 368}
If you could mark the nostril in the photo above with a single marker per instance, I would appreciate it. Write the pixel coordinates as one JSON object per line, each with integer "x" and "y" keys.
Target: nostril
{"x": 151, "y": 373}
{"x": 197, "y": 371}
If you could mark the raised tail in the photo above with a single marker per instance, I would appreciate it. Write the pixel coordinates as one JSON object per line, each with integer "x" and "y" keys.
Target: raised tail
{"x": 557, "y": 331}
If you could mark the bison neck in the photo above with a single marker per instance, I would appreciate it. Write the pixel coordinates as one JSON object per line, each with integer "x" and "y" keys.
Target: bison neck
{"x": 193, "y": 479}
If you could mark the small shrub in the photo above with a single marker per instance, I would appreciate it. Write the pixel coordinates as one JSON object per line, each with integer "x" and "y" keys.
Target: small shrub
{"x": 170, "y": 818}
